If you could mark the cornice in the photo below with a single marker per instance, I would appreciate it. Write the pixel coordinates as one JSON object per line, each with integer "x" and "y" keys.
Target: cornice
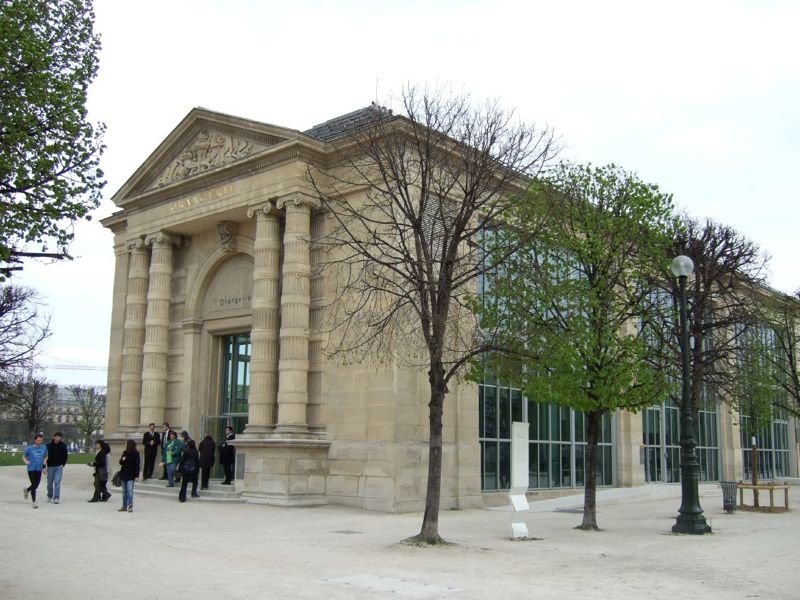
{"x": 291, "y": 150}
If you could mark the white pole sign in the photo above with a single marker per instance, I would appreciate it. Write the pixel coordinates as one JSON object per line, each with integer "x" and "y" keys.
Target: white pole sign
{"x": 519, "y": 480}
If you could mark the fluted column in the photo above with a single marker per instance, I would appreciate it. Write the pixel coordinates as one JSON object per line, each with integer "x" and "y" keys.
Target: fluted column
{"x": 266, "y": 321}
{"x": 317, "y": 420}
{"x": 295, "y": 303}
{"x": 133, "y": 335}
{"x": 156, "y": 339}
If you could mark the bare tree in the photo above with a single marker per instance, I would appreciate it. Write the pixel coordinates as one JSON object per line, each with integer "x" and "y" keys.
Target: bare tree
{"x": 407, "y": 252}
{"x": 721, "y": 303}
{"x": 91, "y": 403}
{"x": 29, "y": 399}
{"x": 22, "y": 330}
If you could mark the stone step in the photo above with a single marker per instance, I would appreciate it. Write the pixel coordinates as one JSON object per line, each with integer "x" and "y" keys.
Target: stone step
{"x": 216, "y": 492}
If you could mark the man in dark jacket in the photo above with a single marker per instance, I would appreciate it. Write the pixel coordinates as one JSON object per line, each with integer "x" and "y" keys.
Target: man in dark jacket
{"x": 57, "y": 456}
{"x": 227, "y": 455}
{"x": 207, "y": 450}
{"x": 150, "y": 442}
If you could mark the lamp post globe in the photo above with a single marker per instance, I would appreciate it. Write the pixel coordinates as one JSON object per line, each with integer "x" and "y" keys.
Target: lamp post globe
{"x": 690, "y": 517}
{"x": 682, "y": 266}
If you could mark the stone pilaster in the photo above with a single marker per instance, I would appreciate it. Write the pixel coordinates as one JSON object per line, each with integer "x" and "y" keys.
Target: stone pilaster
{"x": 133, "y": 336}
{"x": 295, "y": 304}
{"x": 156, "y": 339}
{"x": 266, "y": 321}
{"x": 317, "y": 418}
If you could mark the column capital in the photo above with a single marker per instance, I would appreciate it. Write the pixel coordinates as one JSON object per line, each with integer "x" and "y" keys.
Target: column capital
{"x": 162, "y": 238}
{"x": 135, "y": 244}
{"x": 298, "y": 200}
{"x": 260, "y": 210}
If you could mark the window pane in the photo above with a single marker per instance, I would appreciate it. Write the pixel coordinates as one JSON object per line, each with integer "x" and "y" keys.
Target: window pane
{"x": 490, "y": 405}
{"x": 504, "y": 414}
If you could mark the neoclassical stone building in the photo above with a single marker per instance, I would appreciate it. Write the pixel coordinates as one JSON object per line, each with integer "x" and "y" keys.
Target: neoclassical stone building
{"x": 217, "y": 320}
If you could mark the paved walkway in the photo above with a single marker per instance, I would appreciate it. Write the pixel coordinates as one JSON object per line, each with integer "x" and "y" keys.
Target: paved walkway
{"x": 164, "y": 549}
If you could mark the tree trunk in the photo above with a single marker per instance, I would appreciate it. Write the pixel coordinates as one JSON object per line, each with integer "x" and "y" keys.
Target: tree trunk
{"x": 594, "y": 421}
{"x": 755, "y": 475}
{"x": 429, "y": 533}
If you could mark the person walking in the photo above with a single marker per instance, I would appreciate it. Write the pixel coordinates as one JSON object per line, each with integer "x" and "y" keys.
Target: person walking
{"x": 207, "y": 450}
{"x": 189, "y": 466}
{"x": 100, "y": 464}
{"x": 35, "y": 458}
{"x": 172, "y": 456}
{"x": 150, "y": 443}
{"x": 227, "y": 455}
{"x": 57, "y": 456}
{"x": 128, "y": 473}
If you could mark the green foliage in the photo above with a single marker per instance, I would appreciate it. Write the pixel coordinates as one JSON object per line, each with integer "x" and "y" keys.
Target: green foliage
{"x": 567, "y": 308}
{"x": 49, "y": 152}
{"x": 755, "y": 378}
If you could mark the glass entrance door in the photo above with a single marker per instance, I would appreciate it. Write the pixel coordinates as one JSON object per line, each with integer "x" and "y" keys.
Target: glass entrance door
{"x": 235, "y": 379}
{"x": 234, "y": 393}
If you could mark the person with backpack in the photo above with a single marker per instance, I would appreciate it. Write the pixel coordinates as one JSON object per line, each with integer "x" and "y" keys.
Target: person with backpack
{"x": 189, "y": 466}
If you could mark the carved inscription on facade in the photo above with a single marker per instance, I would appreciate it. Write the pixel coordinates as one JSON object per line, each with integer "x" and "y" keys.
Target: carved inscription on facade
{"x": 195, "y": 199}
{"x": 210, "y": 149}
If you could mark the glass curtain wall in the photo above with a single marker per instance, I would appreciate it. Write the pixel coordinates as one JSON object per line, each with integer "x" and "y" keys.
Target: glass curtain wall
{"x": 557, "y": 446}
{"x": 661, "y": 439}
{"x": 773, "y": 440}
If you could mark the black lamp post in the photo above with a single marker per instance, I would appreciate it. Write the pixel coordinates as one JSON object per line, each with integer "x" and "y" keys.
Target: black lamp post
{"x": 690, "y": 519}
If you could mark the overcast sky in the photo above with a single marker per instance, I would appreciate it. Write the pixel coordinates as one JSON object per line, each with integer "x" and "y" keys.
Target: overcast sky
{"x": 699, "y": 97}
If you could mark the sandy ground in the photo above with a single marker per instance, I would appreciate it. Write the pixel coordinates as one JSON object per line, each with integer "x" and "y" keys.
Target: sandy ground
{"x": 76, "y": 550}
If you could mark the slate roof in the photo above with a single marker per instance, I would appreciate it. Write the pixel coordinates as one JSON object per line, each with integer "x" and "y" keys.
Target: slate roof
{"x": 349, "y": 123}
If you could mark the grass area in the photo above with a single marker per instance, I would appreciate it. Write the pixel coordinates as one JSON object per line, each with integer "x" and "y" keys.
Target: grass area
{"x": 6, "y": 459}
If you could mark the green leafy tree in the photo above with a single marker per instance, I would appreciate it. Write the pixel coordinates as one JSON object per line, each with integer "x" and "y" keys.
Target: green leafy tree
{"x": 568, "y": 306}
{"x": 49, "y": 152}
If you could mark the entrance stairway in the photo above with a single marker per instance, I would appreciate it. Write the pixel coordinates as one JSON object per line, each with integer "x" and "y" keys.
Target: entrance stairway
{"x": 216, "y": 492}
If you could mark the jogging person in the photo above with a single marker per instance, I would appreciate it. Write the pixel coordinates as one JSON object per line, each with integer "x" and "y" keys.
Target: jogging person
{"x": 35, "y": 457}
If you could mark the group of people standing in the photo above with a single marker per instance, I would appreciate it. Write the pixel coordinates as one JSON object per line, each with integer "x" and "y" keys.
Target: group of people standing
{"x": 181, "y": 460}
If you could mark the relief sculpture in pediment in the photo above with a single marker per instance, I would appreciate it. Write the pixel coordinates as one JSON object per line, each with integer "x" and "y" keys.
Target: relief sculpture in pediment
{"x": 209, "y": 149}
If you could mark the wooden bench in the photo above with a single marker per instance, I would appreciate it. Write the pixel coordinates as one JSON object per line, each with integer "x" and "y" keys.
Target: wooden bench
{"x": 765, "y": 487}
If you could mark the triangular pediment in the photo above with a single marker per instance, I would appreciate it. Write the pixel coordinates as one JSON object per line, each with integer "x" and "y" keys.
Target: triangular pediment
{"x": 209, "y": 149}
{"x": 204, "y": 142}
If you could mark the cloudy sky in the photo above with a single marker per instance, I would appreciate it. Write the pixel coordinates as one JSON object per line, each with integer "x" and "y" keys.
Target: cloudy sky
{"x": 699, "y": 97}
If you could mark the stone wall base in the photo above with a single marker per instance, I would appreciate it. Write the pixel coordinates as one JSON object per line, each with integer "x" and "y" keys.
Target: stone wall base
{"x": 282, "y": 471}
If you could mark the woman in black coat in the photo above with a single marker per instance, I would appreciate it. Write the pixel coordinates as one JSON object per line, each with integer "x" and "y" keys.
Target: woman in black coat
{"x": 207, "y": 450}
{"x": 100, "y": 464}
{"x": 189, "y": 466}
{"x": 129, "y": 472}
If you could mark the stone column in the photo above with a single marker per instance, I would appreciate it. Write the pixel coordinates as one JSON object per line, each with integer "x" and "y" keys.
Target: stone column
{"x": 317, "y": 418}
{"x": 295, "y": 303}
{"x": 266, "y": 321}
{"x": 133, "y": 336}
{"x": 156, "y": 339}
